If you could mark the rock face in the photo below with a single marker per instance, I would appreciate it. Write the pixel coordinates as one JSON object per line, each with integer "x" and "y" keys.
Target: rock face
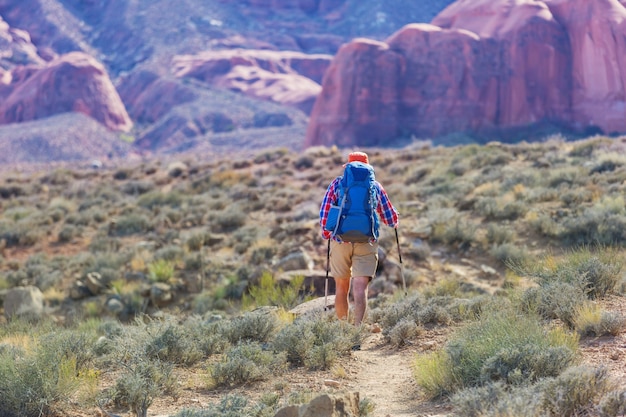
{"x": 16, "y": 47}
{"x": 74, "y": 82}
{"x": 481, "y": 66}
{"x": 148, "y": 97}
{"x": 285, "y": 77}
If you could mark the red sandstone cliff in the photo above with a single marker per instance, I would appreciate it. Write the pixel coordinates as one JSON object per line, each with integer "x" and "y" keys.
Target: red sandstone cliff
{"x": 74, "y": 82}
{"x": 481, "y": 66}
{"x": 284, "y": 77}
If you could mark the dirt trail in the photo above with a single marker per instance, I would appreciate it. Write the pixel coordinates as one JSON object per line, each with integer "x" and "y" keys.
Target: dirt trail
{"x": 385, "y": 377}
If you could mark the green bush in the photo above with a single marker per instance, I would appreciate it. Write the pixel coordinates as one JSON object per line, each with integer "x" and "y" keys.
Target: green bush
{"x": 253, "y": 326}
{"x": 130, "y": 224}
{"x": 268, "y": 292}
{"x": 246, "y": 362}
{"x": 576, "y": 391}
{"x": 42, "y": 379}
{"x": 231, "y": 405}
{"x": 161, "y": 270}
{"x": 613, "y": 404}
{"x": 144, "y": 376}
{"x": 315, "y": 342}
{"x": 501, "y": 346}
{"x": 595, "y": 270}
{"x": 154, "y": 199}
{"x": 498, "y": 400}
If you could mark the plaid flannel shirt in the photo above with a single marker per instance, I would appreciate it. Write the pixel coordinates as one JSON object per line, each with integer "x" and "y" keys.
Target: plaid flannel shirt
{"x": 386, "y": 211}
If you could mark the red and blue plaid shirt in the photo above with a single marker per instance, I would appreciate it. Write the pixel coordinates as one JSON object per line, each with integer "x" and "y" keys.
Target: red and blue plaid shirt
{"x": 386, "y": 211}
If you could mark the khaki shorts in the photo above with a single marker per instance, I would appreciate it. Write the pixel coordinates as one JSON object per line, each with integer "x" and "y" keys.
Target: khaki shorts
{"x": 353, "y": 259}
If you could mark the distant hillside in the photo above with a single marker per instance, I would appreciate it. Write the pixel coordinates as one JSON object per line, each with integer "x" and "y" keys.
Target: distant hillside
{"x": 139, "y": 40}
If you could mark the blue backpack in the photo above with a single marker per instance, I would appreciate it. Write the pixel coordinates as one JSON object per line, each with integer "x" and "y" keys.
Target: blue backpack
{"x": 354, "y": 218}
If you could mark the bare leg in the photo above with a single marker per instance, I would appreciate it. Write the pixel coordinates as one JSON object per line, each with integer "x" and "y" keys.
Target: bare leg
{"x": 359, "y": 293}
{"x": 342, "y": 289}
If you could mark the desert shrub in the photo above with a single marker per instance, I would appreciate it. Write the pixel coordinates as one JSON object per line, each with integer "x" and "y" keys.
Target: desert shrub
{"x": 403, "y": 333}
{"x": 509, "y": 252}
{"x": 497, "y": 400}
{"x": 500, "y": 208}
{"x": 68, "y": 232}
{"x": 137, "y": 187}
{"x": 262, "y": 255}
{"x": 19, "y": 233}
{"x": 499, "y": 234}
{"x": 501, "y": 345}
{"x": 244, "y": 363}
{"x": 144, "y": 376}
{"x": 612, "y": 404}
{"x": 568, "y": 175}
{"x": 597, "y": 271}
{"x": 154, "y": 199}
{"x": 555, "y": 300}
{"x": 315, "y": 342}
{"x": 140, "y": 384}
{"x": 41, "y": 379}
{"x": 231, "y": 405}
{"x": 209, "y": 334}
{"x": 434, "y": 374}
{"x": 604, "y": 223}
{"x": 590, "y": 320}
{"x": 160, "y": 270}
{"x": 543, "y": 224}
{"x": 170, "y": 342}
{"x": 461, "y": 309}
{"x": 268, "y": 292}
{"x": 458, "y": 231}
{"x": 498, "y": 334}
{"x": 130, "y": 224}
{"x": 252, "y": 326}
{"x": 575, "y": 392}
{"x": 520, "y": 364}
{"x": 229, "y": 219}
{"x": 391, "y": 314}
{"x": 196, "y": 241}
{"x": 576, "y": 197}
{"x": 82, "y": 218}
{"x": 170, "y": 253}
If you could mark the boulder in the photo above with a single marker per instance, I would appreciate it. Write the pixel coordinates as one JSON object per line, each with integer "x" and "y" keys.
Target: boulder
{"x": 296, "y": 260}
{"x": 94, "y": 283}
{"x": 314, "y": 280}
{"x": 161, "y": 294}
{"x": 23, "y": 302}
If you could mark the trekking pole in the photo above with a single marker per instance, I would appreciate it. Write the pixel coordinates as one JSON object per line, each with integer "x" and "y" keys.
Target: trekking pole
{"x": 401, "y": 267}
{"x": 326, "y": 282}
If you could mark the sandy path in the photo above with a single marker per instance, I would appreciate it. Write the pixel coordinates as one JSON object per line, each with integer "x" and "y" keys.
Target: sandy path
{"x": 385, "y": 378}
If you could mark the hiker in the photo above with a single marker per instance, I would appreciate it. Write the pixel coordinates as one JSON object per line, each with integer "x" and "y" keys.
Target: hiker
{"x": 354, "y": 257}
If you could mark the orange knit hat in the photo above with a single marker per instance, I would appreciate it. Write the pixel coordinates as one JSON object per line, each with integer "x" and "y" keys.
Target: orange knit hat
{"x": 358, "y": 157}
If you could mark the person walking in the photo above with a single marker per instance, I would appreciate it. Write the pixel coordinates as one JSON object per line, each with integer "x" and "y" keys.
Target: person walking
{"x": 353, "y": 261}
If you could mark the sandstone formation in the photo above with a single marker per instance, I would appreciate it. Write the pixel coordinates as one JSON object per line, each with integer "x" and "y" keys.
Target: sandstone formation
{"x": 74, "y": 82}
{"x": 16, "y": 47}
{"x": 481, "y": 66}
{"x": 285, "y": 77}
{"x": 148, "y": 97}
